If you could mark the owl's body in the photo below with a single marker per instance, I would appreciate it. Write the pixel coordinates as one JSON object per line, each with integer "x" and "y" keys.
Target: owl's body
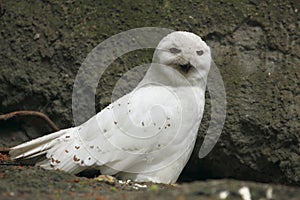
{"x": 146, "y": 135}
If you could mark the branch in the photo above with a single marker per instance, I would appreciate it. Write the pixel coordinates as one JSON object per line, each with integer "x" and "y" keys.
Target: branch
{"x": 33, "y": 113}
{"x": 2, "y": 9}
{"x": 4, "y": 150}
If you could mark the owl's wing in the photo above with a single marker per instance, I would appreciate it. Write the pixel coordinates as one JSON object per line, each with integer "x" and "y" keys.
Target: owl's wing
{"x": 142, "y": 131}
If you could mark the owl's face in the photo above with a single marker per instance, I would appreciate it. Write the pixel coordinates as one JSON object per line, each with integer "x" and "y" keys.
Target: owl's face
{"x": 185, "y": 52}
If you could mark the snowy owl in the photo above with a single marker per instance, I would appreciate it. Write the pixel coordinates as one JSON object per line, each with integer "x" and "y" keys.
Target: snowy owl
{"x": 146, "y": 135}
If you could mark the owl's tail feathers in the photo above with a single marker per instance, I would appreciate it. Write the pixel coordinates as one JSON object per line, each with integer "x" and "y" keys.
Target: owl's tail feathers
{"x": 63, "y": 151}
{"x": 35, "y": 147}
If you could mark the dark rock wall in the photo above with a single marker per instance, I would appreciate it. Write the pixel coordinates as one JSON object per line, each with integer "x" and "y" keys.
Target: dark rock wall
{"x": 255, "y": 45}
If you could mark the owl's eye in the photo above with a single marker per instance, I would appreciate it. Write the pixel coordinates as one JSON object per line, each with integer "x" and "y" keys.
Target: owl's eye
{"x": 200, "y": 52}
{"x": 174, "y": 50}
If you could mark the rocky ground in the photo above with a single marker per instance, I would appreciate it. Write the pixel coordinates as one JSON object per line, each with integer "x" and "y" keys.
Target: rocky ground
{"x": 255, "y": 45}
{"x": 23, "y": 182}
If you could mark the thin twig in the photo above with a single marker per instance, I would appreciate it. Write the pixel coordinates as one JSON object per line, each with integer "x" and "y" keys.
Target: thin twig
{"x": 4, "y": 150}
{"x": 2, "y": 9}
{"x": 33, "y": 113}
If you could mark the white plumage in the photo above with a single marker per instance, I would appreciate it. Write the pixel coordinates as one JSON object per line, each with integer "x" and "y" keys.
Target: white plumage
{"x": 146, "y": 135}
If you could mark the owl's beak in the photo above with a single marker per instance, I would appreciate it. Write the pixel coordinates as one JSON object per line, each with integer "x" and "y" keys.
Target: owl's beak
{"x": 186, "y": 67}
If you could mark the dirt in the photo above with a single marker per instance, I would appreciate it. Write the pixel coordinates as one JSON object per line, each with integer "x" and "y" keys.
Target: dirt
{"x": 255, "y": 45}
{"x": 25, "y": 182}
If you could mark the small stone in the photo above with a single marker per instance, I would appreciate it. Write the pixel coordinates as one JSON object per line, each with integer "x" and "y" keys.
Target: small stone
{"x": 223, "y": 194}
{"x": 245, "y": 193}
{"x": 106, "y": 178}
{"x": 140, "y": 185}
{"x": 36, "y": 36}
{"x": 269, "y": 193}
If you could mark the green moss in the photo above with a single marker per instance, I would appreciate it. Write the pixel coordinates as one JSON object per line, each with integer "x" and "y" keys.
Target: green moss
{"x": 154, "y": 188}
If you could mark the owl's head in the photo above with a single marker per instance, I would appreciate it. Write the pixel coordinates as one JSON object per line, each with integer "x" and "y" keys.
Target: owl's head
{"x": 185, "y": 52}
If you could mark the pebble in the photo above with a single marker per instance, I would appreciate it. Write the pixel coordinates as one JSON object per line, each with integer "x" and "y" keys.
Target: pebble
{"x": 245, "y": 193}
{"x": 36, "y": 36}
{"x": 223, "y": 194}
